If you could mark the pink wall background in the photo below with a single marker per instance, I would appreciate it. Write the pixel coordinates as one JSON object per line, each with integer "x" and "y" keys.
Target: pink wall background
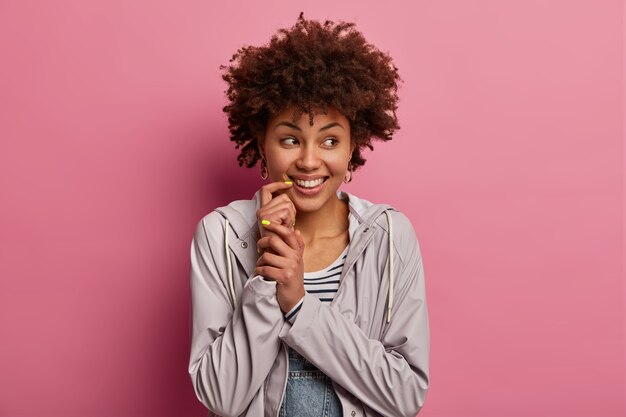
{"x": 509, "y": 162}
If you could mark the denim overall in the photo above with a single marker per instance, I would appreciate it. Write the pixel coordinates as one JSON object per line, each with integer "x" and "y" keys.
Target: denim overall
{"x": 309, "y": 391}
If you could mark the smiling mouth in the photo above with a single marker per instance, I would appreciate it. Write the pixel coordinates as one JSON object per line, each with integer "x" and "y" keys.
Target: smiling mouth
{"x": 308, "y": 184}
{"x": 308, "y": 188}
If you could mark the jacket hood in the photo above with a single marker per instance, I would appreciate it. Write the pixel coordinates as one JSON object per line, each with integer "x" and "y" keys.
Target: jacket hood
{"x": 240, "y": 215}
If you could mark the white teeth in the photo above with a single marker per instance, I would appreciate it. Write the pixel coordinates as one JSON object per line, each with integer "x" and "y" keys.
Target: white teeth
{"x": 309, "y": 184}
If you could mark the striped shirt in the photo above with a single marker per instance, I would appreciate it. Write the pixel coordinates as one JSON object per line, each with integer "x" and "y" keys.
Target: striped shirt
{"x": 323, "y": 283}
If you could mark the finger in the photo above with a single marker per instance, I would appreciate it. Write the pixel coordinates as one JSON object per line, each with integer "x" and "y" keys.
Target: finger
{"x": 276, "y": 261}
{"x": 268, "y": 189}
{"x": 287, "y": 234}
{"x": 270, "y": 272}
{"x": 300, "y": 239}
{"x": 276, "y": 201}
{"x": 282, "y": 215}
{"x": 276, "y": 243}
{"x": 284, "y": 199}
{"x": 280, "y": 209}
{"x": 266, "y": 234}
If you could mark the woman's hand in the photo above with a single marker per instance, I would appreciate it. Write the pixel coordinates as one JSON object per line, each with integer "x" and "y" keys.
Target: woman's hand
{"x": 285, "y": 266}
{"x": 277, "y": 209}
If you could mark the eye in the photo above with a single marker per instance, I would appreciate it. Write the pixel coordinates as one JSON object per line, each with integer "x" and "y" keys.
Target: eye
{"x": 334, "y": 141}
{"x": 287, "y": 139}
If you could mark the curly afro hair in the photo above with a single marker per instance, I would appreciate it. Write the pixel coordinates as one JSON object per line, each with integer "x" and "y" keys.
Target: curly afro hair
{"x": 312, "y": 66}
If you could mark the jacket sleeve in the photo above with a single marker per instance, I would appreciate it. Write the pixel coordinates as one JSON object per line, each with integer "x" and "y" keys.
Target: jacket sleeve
{"x": 232, "y": 351}
{"x": 391, "y": 375}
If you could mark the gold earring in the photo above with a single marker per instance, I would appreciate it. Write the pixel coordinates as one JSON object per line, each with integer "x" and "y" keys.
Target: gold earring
{"x": 349, "y": 175}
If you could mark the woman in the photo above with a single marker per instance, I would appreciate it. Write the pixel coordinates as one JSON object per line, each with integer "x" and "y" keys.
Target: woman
{"x": 308, "y": 300}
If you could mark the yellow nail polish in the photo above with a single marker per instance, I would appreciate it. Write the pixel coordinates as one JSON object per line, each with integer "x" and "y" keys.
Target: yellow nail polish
{"x": 265, "y": 222}
{"x": 288, "y": 182}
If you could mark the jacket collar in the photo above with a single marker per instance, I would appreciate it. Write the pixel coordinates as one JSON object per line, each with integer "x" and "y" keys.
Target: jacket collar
{"x": 241, "y": 214}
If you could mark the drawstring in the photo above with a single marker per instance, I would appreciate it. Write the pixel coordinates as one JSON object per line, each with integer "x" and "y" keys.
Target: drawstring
{"x": 390, "y": 290}
{"x": 390, "y": 264}
{"x": 230, "y": 267}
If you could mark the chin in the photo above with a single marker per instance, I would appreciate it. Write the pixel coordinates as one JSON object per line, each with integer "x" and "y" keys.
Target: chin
{"x": 310, "y": 205}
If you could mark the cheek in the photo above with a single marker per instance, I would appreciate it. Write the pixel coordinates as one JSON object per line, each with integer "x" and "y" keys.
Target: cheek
{"x": 277, "y": 162}
{"x": 339, "y": 163}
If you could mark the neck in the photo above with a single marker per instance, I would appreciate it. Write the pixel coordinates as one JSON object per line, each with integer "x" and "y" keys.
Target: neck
{"x": 327, "y": 222}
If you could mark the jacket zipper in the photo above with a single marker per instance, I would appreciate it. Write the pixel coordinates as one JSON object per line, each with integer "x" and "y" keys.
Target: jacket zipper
{"x": 280, "y": 404}
{"x": 347, "y": 268}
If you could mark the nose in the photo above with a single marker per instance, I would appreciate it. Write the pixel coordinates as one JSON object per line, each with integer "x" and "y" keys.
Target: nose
{"x": 308, "y": 159}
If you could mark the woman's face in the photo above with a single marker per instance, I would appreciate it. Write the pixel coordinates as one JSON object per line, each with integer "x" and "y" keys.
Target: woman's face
{"x": 300, "y": 151}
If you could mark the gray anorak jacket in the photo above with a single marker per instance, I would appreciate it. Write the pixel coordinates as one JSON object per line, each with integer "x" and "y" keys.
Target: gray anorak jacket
{"x": 372, "y": 340}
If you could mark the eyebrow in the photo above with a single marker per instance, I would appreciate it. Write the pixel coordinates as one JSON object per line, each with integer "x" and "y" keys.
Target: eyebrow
{"x": 294, "y": 126}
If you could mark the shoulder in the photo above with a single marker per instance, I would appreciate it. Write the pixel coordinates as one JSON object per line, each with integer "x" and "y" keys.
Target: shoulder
{"x": 209, "y": 229}
{"x": 210, "y": 220}
{"x": 240, "y": 215}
